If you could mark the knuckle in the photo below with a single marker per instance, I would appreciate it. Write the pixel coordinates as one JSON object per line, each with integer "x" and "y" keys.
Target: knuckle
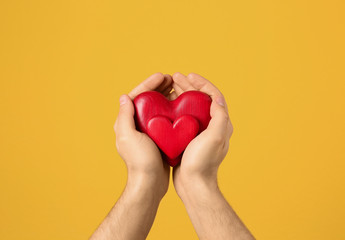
{"x": 225, "y": 148}
{"x": 192, "y": 75}
{"x": 224, "y": 116}
{"x": 115, "y": 126}
{"x": 175, "y": 75}
{"x": 121, "y": 140}
{"x": 217, "y": 140}
{"x": 230, "y": 128}
{"x": 159, "y": 74}
{"x": 117, "y": 145}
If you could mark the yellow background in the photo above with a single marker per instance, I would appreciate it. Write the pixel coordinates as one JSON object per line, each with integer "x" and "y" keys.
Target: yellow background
{"x": 64, "y": 64}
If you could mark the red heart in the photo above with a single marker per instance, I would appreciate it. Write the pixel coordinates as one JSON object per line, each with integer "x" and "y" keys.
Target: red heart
{"x": 151, "y": 104}
{"x": 172, "y": 139}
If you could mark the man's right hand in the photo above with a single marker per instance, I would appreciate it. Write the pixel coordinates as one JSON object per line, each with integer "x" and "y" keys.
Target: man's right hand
{"x": 143, "y": 160}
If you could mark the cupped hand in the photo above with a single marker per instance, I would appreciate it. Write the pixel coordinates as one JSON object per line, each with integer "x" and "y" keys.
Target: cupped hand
{"x": 204, "y": 154}
{"x": 142, "y": 157}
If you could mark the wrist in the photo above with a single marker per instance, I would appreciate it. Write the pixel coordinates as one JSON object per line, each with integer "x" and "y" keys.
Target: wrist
{"x": 143, "y": 185}
{"x": 196, "y": 187}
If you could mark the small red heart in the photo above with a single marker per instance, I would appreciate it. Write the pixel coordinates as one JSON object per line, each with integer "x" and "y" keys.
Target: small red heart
{"x": 151, "y": 104}
{"x": 172, "y": 138}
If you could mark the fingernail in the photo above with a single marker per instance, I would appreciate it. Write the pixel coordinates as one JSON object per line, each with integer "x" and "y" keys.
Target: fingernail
{"x": 220, "y": 101}
{"x": 123, "y": 99}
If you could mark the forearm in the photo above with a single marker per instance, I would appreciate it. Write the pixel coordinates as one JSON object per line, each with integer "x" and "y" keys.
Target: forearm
{"x": 133, "y": 214}
{"x": 210, "y": 213}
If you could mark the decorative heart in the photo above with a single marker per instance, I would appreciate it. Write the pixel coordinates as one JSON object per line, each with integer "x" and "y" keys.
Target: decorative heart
{"x": 172, "y": 138}
{"x": 172, "y": 124}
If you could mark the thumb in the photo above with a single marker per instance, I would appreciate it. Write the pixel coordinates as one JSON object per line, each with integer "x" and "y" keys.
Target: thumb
{"x": 125, "y": 120}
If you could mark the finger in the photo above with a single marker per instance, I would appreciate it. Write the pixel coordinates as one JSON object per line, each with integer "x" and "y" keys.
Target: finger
{"x": 220, "y": 123}
{"x": 150, "y": 84}
{"x": 202, "y": 84}
{"x": 167, "y": 82}
{"x": 125, "y": 122}
{"x": 230, "y": 129}
{"x": 181, "y": 81}
{"x": 167, "y": 91}
{"x": 172, "y": 96}
{"x": 177, "y": 88}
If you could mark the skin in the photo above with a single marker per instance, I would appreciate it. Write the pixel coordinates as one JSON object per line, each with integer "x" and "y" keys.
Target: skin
{"x": 148, "y": 175}
{"x": 195, "y": 179}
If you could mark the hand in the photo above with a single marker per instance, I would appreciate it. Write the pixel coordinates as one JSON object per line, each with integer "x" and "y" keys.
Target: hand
{"x": 195, "y": 179}
{"x": 204, "y": 154}
{"x": 146, "y": 169}
{"x": 148, "y": 176}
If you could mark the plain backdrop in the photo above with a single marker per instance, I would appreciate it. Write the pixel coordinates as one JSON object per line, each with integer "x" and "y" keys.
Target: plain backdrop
{"x": 64, "y": 65}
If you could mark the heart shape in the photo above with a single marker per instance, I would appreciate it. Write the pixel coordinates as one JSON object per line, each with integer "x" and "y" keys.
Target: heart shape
{"x": 172, "y": 138}
{"x": 151, "y": 105}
